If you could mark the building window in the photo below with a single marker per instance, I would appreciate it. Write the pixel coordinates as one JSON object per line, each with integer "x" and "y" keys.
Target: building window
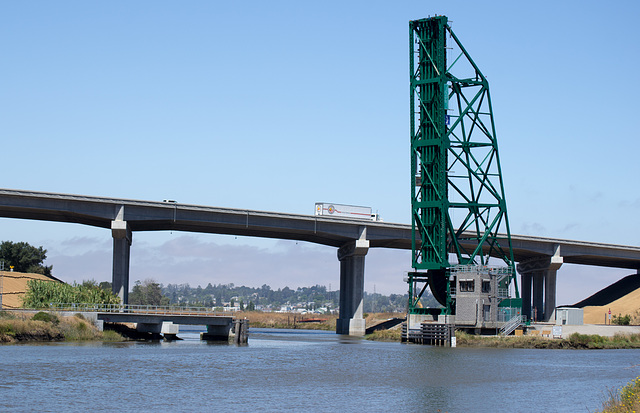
{"x": 486, "y": 311}
{"x": 467, "y": 286}
{"x": 486, "y": 286}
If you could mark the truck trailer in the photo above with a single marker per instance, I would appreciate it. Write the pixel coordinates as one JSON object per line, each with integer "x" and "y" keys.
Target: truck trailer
{"x": 345, "y": 211}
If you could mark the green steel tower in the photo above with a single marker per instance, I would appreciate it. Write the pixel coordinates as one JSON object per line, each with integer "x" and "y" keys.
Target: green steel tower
{"x": 459, "y": 214}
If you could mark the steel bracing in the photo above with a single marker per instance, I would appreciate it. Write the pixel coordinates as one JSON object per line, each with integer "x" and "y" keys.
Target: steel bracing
{"x": 456, "y": 180}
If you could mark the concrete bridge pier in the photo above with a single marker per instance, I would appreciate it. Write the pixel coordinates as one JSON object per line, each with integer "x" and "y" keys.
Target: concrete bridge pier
{"x": 122, "y": 237}
{"x": 165, "y": 329}
{"x": 538, "y": 277}
{"x": 351, "y": 256}
{"x": 542, "y": 272}
{"x": 219, "y": 332}
{"x": 525, "y": 288}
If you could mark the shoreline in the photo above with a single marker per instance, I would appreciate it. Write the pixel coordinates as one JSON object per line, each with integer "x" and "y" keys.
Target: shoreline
{"x": 54, "y": 327}
{"x": 46, "y": 327}
{"x": 575, "y": 341}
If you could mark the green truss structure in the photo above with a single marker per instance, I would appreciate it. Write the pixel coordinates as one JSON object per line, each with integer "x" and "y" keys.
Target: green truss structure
{"x": 455, "y": 167}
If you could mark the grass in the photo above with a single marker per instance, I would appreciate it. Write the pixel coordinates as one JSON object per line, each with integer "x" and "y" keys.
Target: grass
{"x": 259, "y": 319}
{"x": 385, "y": 335}
{"x": 575, "y": 341}
{"x": 12, "y": 330}
{"x": 18, "y": 328}
{"x": 626, "y": 400}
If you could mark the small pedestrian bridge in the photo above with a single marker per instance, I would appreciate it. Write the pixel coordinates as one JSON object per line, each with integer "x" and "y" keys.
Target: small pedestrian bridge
{"x": 164, "y": 321}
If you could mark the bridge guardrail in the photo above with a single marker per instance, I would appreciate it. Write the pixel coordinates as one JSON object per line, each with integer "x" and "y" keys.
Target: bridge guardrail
{"x": 132, "y": 309}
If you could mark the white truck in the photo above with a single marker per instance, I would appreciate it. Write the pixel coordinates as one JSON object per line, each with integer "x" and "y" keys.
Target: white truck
{"x": 345, "y": 211}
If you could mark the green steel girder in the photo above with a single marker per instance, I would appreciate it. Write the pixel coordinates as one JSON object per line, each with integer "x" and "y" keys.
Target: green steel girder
{"x": 455, "y": 164}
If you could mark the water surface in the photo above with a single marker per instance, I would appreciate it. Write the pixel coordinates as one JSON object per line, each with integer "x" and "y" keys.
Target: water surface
{"x": 293, "y": 370}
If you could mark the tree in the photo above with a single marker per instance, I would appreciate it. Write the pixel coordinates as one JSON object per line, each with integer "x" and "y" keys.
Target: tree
{"x": 24, "y": 257}
{"x": 147, "y": 293}
{"x": 105, "y": 285}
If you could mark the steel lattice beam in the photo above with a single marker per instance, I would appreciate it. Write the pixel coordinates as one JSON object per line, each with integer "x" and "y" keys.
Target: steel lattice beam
{"x": 455, "y": 167}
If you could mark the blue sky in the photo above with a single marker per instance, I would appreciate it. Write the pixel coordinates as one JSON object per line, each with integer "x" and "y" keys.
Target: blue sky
{"x": 275, "y": 106}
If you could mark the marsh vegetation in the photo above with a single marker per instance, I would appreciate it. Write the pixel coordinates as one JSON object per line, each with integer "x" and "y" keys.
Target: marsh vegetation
{"x": 44, "y": 326}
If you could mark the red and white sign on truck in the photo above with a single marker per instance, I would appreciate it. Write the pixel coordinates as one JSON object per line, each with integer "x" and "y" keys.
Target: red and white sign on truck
{"x": 345, "y": 211}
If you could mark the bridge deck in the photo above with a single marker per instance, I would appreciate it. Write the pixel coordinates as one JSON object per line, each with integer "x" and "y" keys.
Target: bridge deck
{"x": 150, "y": 318}
{"x": 158, "y": 216}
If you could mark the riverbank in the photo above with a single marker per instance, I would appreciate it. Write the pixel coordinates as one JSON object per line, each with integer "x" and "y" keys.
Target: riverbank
{"x": 47, "y": 327}
{"x": 575, "y": 341}
{"x": 258, "y": 319}
{"x": 327, "y": 322}
{"x": 16, "y": 327}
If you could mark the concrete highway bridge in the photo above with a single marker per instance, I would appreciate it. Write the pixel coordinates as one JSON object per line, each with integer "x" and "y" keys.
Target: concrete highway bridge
{"x": 538, "y": 258}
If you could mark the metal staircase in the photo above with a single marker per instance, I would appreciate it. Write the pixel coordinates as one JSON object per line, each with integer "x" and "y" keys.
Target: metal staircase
{"x": 511, "y": 325}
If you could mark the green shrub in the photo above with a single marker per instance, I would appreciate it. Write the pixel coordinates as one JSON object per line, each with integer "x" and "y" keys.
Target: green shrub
{"x": 75, "y": 329}
{"x": 110, "y": 335}
{"x": 622, "y": 320}
{"x": 587, "y": 341}
{"x": 40, "y": 294}
{"x": 7, "y": 328}
{"x": 46, "y": 317}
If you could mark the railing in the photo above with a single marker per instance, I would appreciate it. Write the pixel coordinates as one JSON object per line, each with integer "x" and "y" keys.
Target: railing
{"x": 503, "y": 292}
{"x": 130, "y": 308}
{"x": 510, "y": 326}
{"x": 500, "y": 271}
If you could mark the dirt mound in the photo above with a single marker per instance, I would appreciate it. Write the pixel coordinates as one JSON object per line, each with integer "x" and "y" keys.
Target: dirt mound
{"x": 627, "y": 305}
{"x": 611, "y": 293}
{"x": 621, "y": 298}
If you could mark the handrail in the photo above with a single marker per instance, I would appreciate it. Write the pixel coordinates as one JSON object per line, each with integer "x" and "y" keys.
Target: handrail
{"x": 510, "y": 326}
{"x": 133, "y": 308}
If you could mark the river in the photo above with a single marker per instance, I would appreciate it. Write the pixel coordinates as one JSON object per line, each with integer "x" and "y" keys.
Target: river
{"x": 296, "y": 370}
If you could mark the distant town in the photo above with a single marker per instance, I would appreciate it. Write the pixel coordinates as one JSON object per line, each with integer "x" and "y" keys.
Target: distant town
{"x": 229, "y": 297}
{"x": 316, "y": 299}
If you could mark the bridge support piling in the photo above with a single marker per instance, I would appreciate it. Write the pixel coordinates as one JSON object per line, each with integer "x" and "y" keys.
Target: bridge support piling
{"x": 122, "y": 238}
{"x": 218, "y": 332}
{"x": 352, "y": 257}
{"x": 526, "y": 294}
{"x": 538, "y": 300}
{"x": 549, "y": 293}
{"x": 543, "y": 272}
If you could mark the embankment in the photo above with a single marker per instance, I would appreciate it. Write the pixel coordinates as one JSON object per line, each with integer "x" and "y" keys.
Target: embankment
{"x": 575, "y": 341}
{"x": 43, "y": 327}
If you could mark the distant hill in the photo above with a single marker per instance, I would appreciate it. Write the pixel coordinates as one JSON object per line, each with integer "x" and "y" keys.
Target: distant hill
{"x": 611, "y": 293}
